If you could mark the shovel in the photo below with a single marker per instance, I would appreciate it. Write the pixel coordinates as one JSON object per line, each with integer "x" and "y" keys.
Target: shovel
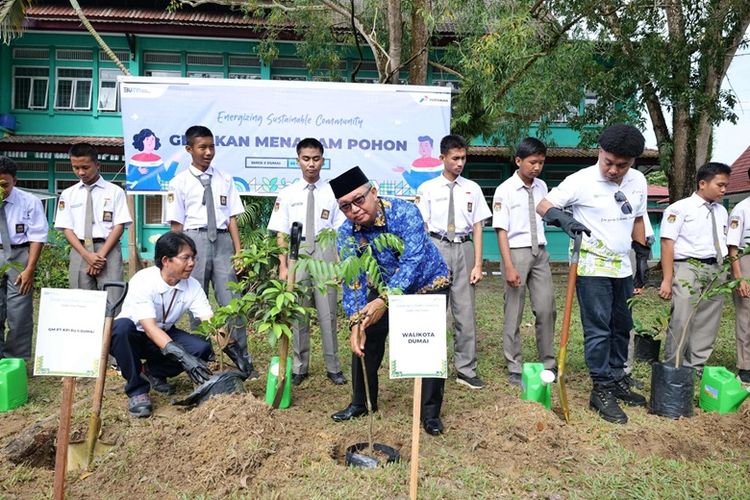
{"x": 81, "y": 455}
{"x": 572, "y": 274}
{"x": 294, "y": 239}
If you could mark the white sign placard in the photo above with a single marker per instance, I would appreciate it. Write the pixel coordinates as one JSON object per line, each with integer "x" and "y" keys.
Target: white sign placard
{"x": 416, "y": 336}
{"x": 392, "y": 132}
{"x": 69, "y": 332}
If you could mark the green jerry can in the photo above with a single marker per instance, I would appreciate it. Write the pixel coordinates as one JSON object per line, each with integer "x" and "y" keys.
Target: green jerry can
{"x": 273, "y": 376}
{"x": 536, "y": 384}
{"x": 14, "y": 390}
{"x": 721, "y": 391}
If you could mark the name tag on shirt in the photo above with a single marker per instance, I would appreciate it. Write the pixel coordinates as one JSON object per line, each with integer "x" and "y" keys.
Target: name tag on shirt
{"x": 20, "y": 228}
{"x": 107, "y": 216}
{"x": 223, "y": 200}
{"x": 469, "y": 206}
{"x": 325, "y": 214}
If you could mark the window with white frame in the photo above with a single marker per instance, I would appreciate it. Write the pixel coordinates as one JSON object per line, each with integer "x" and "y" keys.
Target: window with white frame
{"x": 158, "y": 73}
{"x": 73, "y": 88}
{"x": 30, "y": 85}
{"x": 108, "y": 90}
{"x": 205, "y": 74}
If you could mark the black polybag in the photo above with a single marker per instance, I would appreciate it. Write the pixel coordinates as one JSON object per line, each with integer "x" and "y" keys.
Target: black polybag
{"x": 231, "y": 382}
{"x": 672, "y": 390}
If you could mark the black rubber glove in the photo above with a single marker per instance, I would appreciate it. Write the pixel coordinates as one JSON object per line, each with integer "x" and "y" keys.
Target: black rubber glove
{"x": 642, "y": 252}
{"x": 196, "y": 368}
{"x": 567, "y": 223}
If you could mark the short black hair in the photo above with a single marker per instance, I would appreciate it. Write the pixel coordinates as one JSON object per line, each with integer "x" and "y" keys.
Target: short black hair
{"x": 711, "y": 170}
{"x": 530, "y": 146}
{"x": 169, "y": 245}
{"x": 197, "y": 131}
{"x": 8, "y": 166}
{"x": 622, "y": 140}
{"x": 452, "y": 142}
{"x": 310, "y": 142}
{"x": 81, "y": 149}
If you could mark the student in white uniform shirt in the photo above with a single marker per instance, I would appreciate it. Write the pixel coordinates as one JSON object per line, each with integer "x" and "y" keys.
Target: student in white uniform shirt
{"x": 145, "y": 329}
{"x": 738, "y": 238}
{"x": 694, "y": 228}
{"x": 292, "y": 206}
{"x": 23, "y": 232}
{"x": 95, "y": 255}
{"x": 608, "y": 202}
{"x": 452, "y": 230}
{"x": 203, "y": 202}
{"x": 525, "y": 261}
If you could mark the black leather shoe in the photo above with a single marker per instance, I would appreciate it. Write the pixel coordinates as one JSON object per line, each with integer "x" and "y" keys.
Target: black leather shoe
{"x": 744, "y": 376}
{"x": 604, "y": 402}
{"x": 433, "y": 426}
{"x": 337, "y": 378}
{"x": 297, "y": 378}
{"x": 348, "y": 413}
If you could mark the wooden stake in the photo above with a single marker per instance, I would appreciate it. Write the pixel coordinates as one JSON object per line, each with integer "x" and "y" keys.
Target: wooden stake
{"x": 415, "y": 433}
{"x": 63, "y": 436}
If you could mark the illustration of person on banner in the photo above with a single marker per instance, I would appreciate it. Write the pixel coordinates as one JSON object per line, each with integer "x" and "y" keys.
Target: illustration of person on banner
{"x": 146, "y": 170}
{"x": 418, "y": 268}
{"x": 425, "y": 167}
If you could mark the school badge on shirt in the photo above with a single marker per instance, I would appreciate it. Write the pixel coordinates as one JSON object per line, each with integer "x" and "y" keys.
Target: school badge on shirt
{"x": 170, "y": 197}
{"x": 276, "y": 206}
{"x": 61, "y": 205}
{"x": 734, "y": 223}
{"x": 497, "y": 206}
{"x": 671, "y": 218}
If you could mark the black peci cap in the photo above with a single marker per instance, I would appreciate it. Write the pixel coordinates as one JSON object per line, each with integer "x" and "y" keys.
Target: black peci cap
{"x": 348, "y": 182}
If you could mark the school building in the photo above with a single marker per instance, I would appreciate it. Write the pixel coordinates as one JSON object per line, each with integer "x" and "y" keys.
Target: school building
{"x": 57, "y": 87}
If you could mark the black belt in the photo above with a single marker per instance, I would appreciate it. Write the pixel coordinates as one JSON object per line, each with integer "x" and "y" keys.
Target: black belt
{"x": 708, "y": 260}
{"x": 20, "y": 245}
{"x": 204, "y": 229}
{"x": 95, "y": 240}
{"x": 441, "y": 237}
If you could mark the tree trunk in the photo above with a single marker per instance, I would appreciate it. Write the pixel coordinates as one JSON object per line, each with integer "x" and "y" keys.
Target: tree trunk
{"x": 419, "y": 40}
{"x": 394, "y": 40}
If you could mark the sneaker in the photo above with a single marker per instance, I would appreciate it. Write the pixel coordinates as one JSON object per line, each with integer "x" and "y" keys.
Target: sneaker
{"x": 253, "y": 375}
{"x": 744, "y": 376}
{"x": 633, "y": 382}
{"x": 470, "y": 382}
{"x": 337, "y": 378}
{"x": 604, "y": 402}
{"x": 515, "y": 379}
{"x": 140, "y": 406}
{"x": 621, "y": 390}
{"x": 157, "y": 383}
{"x": 297, "y": 378}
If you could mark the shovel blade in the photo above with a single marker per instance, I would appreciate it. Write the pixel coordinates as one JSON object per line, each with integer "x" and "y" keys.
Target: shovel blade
{"x": 78, "y": 455}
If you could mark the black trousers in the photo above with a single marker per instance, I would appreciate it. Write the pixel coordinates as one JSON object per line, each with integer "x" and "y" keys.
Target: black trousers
{"x": 130, "y": 346}
{"x": 432, "y": 388}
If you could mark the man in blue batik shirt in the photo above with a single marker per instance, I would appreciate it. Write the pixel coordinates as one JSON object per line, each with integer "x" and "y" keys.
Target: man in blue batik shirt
{"x": 418, "y": 269}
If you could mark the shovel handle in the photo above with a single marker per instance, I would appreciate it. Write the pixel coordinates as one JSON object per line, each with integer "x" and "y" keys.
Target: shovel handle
{"x": 569, "y": 291}
{"x": 112, "y": 307}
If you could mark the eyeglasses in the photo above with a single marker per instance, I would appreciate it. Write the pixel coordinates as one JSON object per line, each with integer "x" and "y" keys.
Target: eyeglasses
{"x": 358, "y": 201}
{"x": 185, "y": 258}
{"x": 626, "y": 208}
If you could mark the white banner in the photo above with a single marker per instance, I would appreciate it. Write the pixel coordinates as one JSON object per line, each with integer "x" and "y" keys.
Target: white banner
{"x": 416, "y": 336}
{"x": 392, "y": 132}
{"x": 69, "y": 332}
